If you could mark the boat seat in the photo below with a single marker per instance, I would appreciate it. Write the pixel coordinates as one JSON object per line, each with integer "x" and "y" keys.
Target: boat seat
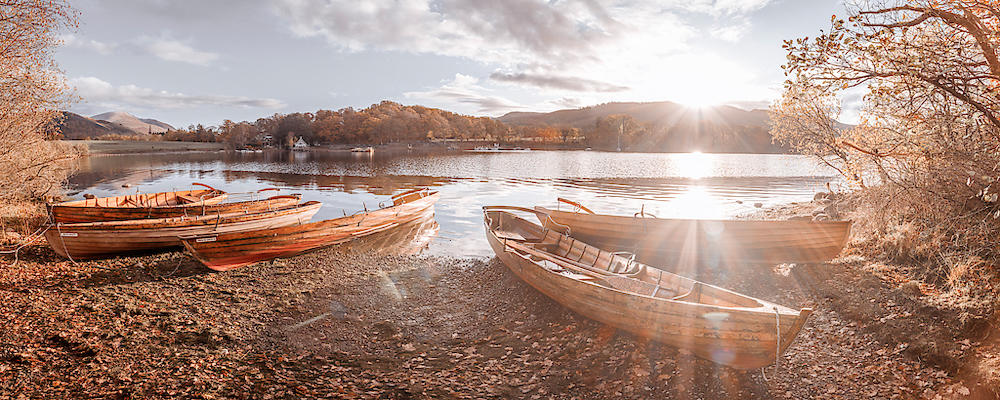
{"x": 184, "y": 199}
{"x": 692, "y": 295}
{"x": 508, "y": 235}
{"x": 579, "y": 277}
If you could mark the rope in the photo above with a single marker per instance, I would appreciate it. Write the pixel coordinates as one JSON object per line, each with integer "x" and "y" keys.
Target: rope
{"x": 171, "y": 273}
{"x": 65, "y": 250}
{"x": 777, "y": 328}
{"x": 31, "y": 238}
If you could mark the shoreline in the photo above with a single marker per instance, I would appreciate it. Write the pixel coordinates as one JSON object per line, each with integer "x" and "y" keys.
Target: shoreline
{"x": 345, "y": 323}
{"x": 120, "y": 147}
{"x": 117, "y": 147}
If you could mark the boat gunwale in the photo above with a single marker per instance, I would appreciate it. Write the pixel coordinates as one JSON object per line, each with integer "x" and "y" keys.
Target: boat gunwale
{"x": 546, "y": 210}
{"x": 301, "y": 227}
{"x": 410, "y": 206}
{"x": 83, "y": 203}
{"x": 135, "y": 224}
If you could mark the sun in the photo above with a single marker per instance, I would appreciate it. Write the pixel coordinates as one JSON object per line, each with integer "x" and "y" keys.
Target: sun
{"x": 699, "y": 100}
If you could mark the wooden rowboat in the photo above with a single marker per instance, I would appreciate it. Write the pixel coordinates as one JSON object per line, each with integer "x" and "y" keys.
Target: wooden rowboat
{"x": 75, "y": 214}
{"x": 93, "y": 210}
{"x": 99, "y": 239}
{"x": 225, "y": 251}
{"x": 668, "y": 241}
{"x": 713, "y": 323}
{"x": 406, "y": 239}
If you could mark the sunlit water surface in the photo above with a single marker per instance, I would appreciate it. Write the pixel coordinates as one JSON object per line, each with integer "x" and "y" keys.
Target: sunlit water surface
{"x": 666, "y": 185}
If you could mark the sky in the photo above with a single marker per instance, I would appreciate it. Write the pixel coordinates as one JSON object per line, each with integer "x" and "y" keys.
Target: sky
{"x": 204, "y": 61}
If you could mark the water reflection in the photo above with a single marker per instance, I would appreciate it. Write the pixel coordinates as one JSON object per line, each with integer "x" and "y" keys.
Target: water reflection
{"x": 696, "y": 165}
{"x": 408, "y": 239}
{"x": 666, "y": 185}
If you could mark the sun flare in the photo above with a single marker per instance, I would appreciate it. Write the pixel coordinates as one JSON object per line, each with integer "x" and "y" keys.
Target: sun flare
{"x": 697, "y": 202}
{"x": 695, "y": 165}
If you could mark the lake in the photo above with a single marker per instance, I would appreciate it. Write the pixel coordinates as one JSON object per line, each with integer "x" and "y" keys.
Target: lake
{"x": 687, "y": 185}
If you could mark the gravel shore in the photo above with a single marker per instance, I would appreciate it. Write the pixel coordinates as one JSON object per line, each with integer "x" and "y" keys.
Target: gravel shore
{"x": 350, "y": 323}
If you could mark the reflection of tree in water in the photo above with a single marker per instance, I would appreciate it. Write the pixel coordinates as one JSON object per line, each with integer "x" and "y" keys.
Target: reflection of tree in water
{"x": 378, "y": 185}
{"x": 130, "y": 168}
{"x": 312, "y": 168}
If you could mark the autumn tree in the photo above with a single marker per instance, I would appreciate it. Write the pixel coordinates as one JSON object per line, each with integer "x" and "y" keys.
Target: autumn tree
{"x": 32, "y": 90}
{"x": 237, "y": 135}
{"x": 930, "y": 122}
{"x": 292, "y": 126}
{"x": 614, "y": 130}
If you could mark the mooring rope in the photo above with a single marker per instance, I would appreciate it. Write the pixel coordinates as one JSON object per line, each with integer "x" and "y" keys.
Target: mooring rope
{"x": 40, "y": 232}
{"x": 65, "y": 250}
{"x": 777, "y": 328}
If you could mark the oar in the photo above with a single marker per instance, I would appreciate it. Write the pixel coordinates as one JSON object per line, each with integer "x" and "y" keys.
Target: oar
{"x": 575, "y": 204}
{"x": 209, "y": 187}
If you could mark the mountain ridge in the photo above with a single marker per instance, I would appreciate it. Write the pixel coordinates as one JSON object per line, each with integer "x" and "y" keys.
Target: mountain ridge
{"x": 133, "y": 123}
{"x": 76, "y": 126}
{"x": 661, "y": 126}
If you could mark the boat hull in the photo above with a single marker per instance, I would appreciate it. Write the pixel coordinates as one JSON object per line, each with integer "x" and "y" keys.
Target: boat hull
{"x": 102, "y": 239}
{"x": 744, "y": 338}
{"x": 89, "y": 209}
{"x": 75, "y": 214}
{"x": 682, "y": 242}
{"x": 223, "y": 252}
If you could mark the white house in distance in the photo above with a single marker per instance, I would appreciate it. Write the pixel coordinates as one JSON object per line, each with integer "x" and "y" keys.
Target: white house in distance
{"x": 300, "y": 144}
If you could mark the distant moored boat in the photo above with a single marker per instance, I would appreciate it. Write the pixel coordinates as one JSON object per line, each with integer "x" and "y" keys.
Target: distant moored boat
{"x": 497, "y": 149}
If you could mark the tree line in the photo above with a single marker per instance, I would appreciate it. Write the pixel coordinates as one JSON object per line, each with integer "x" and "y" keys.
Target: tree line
{"x": 389, "y": 122}
{"x": 382, "y": 123}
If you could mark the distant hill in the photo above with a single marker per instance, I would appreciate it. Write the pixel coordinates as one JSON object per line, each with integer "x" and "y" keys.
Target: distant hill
{"x": 134, "y": 123}
{"x": 650, "y": 113}
{"x": 76, "y": 126}
{"x": 668, "y": 126}
{"x": 154, "y": 122}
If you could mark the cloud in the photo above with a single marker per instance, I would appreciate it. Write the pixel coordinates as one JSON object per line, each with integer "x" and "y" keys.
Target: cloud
{"x": 567, "y": 102}
{"x": 643, "y": 50}
{"x": 558, "y": 82}
{"x": 750, "y": 105}
{"x": 723, "y": 7}
{"x": 508, "y": 32}
{"x": 71, "y": 40}
{"x": 596, "y": 46}
{"x": 170, "y": 49}
{"x": 185, "y": 11}
{"x": 163, "y": 47}
{"x": 464, "y": 89}
{"x": 733, "y": 31}
{"x": 98, "y": 92}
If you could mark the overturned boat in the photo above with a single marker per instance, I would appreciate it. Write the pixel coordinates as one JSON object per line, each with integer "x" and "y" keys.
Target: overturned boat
{"x": 713, "y": 323}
